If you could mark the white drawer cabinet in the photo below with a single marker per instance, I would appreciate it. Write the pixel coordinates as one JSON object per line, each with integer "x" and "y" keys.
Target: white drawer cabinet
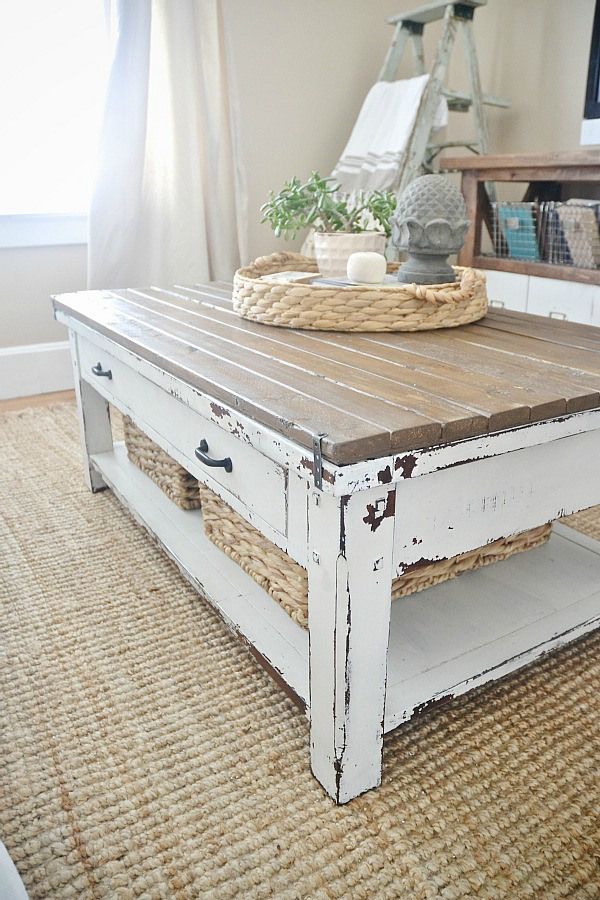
{"x": 507, "y": 290}
{"x": 368, "y": 503}
{"x": 572, "y": 301}
{"x": 596, "y": 309}
{"x": 568, "y": 300}
{"x": 179, "y": 431}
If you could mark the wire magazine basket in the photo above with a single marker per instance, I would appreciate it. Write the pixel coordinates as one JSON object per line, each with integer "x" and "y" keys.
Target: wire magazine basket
{"x": 559, "y": 233}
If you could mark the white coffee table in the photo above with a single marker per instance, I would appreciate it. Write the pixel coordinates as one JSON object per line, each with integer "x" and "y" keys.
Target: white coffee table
{"x": 362, "y": 457}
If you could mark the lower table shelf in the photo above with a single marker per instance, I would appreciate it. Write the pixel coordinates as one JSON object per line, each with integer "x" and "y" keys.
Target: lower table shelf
{"x": 443, "y": 641}
{"x": 488, "y": 623}
{"x": 244, "y": 605}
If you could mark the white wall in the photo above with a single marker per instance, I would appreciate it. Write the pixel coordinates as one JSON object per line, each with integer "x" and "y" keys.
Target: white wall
{"x": 28, "y": 275}
{"x": 302, "y": 71}
{"x": 34, "y": 356}
{"x": 536, "y": 53}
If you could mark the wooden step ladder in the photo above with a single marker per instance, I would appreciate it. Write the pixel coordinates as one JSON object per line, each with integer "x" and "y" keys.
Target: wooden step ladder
{"x": 421, "y": 154}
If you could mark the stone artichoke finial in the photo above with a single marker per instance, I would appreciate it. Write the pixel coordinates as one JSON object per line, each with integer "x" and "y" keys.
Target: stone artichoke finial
{"x": 430, "y": 222}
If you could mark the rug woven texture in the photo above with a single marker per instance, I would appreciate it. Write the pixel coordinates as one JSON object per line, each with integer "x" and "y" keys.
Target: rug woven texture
{"x": 144, "y": 754}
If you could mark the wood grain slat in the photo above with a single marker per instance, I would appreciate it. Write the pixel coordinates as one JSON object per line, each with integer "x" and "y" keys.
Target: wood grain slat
{"x": 352, "y": 389}
{"x": 570, "y": 334}
{"x": 550, "y": 389}
{"x": 221, "y": 288}
{"x": 527, "y": 348}
{"x": 550, "y": 350}
{"x": 536, "y": 326}
{"x": 570, "y": 161}
{"x": 301, "y": 410}
{"x": 416, "y": 388}
{"x": 225, "y": 286}
{"x": 580, "y": 387}
{"x": 545, "y": 384}
{"x": 371, "y": 393}
{"x": 365, "y": 355}
{"x": 507, "y": 405}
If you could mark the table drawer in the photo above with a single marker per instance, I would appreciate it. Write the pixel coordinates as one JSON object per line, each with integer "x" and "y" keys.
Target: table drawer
{"x": 559, "y": 299}
{"x": 256, "y": 481}
{"x": 507, "y": 290}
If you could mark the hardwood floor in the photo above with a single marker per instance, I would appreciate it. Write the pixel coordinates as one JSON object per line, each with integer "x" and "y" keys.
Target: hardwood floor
{"x": 37, "y": 400}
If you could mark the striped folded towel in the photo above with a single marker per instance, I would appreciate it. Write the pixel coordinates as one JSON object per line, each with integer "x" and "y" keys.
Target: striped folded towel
{"x": 374, "y": 154}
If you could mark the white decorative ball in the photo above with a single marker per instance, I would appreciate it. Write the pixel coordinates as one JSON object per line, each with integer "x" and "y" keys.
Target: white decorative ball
{"x": 366, "y": 267}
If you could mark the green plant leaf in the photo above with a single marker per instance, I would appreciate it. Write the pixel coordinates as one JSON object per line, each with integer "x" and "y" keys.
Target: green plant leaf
{"x": 317, "y": 203}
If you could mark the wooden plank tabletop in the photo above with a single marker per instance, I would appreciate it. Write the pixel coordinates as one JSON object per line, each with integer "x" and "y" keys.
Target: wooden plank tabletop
{"x": 575, "y": 160}
{"x": 371, "y": 394}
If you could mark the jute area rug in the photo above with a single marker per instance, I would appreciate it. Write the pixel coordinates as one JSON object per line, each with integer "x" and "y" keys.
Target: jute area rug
{"x": 146, "y": 755}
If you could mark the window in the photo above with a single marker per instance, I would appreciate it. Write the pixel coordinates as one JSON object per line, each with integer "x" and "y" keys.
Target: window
{"x": 53, "y": 67}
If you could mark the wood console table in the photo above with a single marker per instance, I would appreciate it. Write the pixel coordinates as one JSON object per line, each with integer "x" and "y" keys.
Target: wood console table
{"x": 362, "y": 457}
{"x": 543, "y": 173}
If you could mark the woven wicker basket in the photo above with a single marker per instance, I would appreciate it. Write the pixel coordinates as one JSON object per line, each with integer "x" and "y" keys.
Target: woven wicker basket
{"x": 284, "y": 579}
{"x": 287, "y": 581}
{"x": 172, "y": 479}
{"x": 394, "y": 307}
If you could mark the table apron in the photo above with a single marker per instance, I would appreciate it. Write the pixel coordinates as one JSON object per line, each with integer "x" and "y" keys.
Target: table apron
{"x": 459, "y": 509}
{"x": 400, "y": 467}
{"x": 256, "y": 487}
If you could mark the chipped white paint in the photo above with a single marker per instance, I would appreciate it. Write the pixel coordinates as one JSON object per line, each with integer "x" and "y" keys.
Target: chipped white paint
{"x": 297, "y": 499}
{"x": 349, "y": 598}
{"x": 179, "y": 430}
{"x": 272, "y": 445}
{"x": 486, "y": 624}
{"x": 468, "y": 506}
{"x": 244, "y": 605}
{"x": 94, "y": 421}
{"x": 370, "y": 520}
{"x": 402, "y": 466}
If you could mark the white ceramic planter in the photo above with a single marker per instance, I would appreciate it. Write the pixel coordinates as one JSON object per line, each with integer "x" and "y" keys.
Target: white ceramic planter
{"x": 332, "y": 249}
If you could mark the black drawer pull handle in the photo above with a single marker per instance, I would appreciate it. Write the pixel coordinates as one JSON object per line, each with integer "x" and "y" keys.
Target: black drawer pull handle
{"x": 98, "y": 370}
{"x": 201, "y": 454}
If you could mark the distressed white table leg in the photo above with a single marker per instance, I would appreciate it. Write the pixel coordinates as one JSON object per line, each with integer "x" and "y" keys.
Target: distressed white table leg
{"x": 349, "y": 590}
{"x": 94, "y": 421}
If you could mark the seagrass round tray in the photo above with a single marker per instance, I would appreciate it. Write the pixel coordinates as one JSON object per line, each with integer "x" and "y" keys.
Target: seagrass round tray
{"x": 356, "y": 307}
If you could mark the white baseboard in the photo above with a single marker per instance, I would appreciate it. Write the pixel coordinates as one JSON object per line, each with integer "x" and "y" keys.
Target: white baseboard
{"x": 35, "y": 369}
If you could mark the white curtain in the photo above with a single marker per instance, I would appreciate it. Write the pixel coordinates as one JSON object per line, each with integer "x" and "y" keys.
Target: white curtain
{"x": 169, "y": 204}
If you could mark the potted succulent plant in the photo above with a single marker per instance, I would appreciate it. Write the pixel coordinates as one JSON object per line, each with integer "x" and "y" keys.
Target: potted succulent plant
{"x": 342, "y": 225}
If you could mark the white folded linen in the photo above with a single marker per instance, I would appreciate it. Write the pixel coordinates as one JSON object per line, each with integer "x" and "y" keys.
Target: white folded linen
{"x": 373, "y": 157}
